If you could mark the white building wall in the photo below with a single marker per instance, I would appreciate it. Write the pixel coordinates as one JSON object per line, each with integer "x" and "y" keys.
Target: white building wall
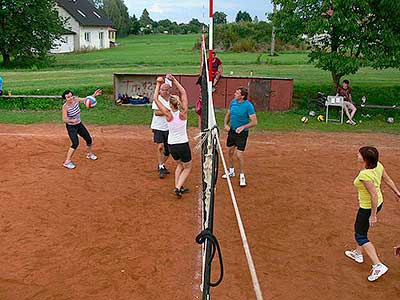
{"x": 72, "y": 25}
{"x": 94, "y": 41}
{"x": 66, "y": 45}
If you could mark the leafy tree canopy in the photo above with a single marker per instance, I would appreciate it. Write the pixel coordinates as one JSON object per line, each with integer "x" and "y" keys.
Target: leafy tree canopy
{"x": 117, "y": 11}
{"x": 345, "y": 35}
{"x": 243, "y": 17}
{"x": 28, "y": 30}
{"x": 145, "y": 19}
{"x": 219, "y": 18}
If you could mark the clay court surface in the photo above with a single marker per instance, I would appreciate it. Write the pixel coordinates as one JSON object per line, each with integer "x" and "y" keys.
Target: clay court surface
{"x": 111, "y": 229}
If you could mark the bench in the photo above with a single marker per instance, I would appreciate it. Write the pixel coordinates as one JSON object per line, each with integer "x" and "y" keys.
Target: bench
{"x": 31, "y": 96}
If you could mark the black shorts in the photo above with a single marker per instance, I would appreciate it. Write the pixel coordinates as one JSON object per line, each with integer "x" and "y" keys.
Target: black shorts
{"x": 161, "y": 137}
{"x": 237, "y": 139}
{"x": 181, "y": 152}
{"x": 361, "y": 225}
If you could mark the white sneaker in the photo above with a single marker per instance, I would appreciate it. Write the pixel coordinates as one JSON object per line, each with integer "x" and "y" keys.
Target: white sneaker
{"x": 377, "y": 271}
{"x": 353, "y": 254}
{"x": 242, "y": 180}
{"x": 231, "y": 174}
{"x": 69, "y": 165}
{"x": 91, "y": 156}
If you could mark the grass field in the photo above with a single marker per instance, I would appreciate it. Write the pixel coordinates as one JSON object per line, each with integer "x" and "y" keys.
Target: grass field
{"x": 84, "y": 72}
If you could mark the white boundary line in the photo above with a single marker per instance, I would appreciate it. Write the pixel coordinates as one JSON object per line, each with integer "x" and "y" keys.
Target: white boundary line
{"x": 253, "y": 273}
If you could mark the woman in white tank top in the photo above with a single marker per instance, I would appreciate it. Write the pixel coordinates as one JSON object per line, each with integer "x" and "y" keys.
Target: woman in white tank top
{"x": 178, "y": 141}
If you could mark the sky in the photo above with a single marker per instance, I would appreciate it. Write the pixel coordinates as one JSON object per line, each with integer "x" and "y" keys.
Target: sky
{"x": 182, "y": 11}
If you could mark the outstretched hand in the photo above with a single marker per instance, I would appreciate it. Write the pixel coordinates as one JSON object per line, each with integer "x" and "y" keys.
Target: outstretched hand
{"x": 97, "y": 92}
{"x": 160, "y": 80}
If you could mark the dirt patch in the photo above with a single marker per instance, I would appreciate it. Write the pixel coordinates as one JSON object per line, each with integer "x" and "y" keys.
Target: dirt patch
{"x": 111, "y": 229}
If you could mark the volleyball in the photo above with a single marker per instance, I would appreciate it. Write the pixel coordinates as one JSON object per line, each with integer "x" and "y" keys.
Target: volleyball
{"x": 320, "y": 118}
{"x": 390, "y": 120}
{"x": 90, "y": 101}
{"x": 304, "y": 119}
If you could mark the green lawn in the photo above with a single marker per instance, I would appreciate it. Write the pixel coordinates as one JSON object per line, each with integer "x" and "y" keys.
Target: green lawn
{"x": 84, "y": 72}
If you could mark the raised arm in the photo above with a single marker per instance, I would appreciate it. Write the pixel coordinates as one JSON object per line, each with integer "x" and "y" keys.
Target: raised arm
{"x": 96, "y": 93}
{"x": 182, "y": 91}
{"x": 161, "y": 107}
{"x": 391, "y": 184}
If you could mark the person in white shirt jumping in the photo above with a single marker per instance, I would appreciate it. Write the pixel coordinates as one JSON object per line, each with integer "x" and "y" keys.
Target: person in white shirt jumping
{"x": 160, "y": 129}
{"x": 178, "y": 141}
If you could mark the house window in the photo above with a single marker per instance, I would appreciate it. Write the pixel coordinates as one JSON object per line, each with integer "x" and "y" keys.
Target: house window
{"x": 87, "y": 36}
{"x": 101, "y": 38}
{"x": 66, "y": 39}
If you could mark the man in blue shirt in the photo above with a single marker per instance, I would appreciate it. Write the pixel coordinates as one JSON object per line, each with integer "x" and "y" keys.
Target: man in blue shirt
{"x": 240, "y": 116}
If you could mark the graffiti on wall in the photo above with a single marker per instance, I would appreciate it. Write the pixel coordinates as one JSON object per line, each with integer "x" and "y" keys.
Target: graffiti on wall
{"x": 137, "y": 87}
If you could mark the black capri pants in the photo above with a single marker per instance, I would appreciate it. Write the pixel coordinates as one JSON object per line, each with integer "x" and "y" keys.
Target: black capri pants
{"x": 78, "y": 129}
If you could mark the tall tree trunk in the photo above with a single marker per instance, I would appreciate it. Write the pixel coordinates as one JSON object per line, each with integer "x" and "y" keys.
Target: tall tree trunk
{"x": 6, "y": 58}
{"x": 336, "y": 80}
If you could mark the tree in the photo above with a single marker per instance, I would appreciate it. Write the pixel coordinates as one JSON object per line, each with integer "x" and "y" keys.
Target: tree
{"x": 219, "y": 18}
{"x": 97, "y": 3}
{"x": 28, "y": 30}
{"x": 134, "y": 25}
{"x": 243, "y": 17}
{"x": 145, "y": 19}
{"x": 195, "y": 26}
{"x": 117, "y": 11}
{"x": 345, "y": 35}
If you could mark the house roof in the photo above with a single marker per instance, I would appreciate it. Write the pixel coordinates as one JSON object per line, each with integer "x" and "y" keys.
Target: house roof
{"x": 85, "y": 13}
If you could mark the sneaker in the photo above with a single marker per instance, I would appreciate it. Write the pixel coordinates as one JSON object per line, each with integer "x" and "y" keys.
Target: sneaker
{"x": 242, "y": 181}
{"x": 348, "y": 122}
{"x": 161, "y": 172}
{"x": 353, "y": 254}
{"x": 231, "y": 174}
{"x": 184, "y": 190}
{"x": 377, "y": 271}
{"x": 91, "y": 156}
{"x": 166, "y": 171}
{"x": 69, "y": 165}
{"x": 178, "y": 193}
{"x": 353, "y": 123}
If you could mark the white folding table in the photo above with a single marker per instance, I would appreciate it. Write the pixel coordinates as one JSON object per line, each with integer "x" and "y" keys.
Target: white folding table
{"x": 337, "y": 101}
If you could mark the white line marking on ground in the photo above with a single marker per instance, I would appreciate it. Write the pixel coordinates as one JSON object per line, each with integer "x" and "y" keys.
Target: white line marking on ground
{"x": 246, "y": 247}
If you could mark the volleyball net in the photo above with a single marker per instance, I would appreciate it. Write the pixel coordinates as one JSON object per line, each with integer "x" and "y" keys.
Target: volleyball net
{"x": 210, "y": 163}
{"x": 210, "y": 148}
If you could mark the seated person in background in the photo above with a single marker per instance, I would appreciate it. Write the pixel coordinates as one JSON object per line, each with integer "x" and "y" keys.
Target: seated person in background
{"x": 350, "y": 109}
{"x": 216, "y": 69}
{"x": 1, "y": 86}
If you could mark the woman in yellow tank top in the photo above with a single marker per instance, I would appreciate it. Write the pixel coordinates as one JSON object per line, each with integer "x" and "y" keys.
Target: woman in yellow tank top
{"x": 368, "y": 184}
